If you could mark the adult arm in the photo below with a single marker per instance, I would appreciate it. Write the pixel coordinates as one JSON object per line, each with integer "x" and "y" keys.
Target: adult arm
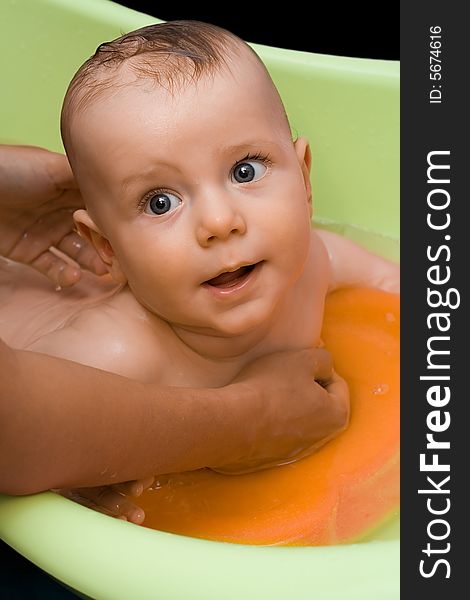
{"x": 65, "y": 425}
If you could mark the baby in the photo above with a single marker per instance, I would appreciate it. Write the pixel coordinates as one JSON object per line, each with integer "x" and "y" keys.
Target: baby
{"x": 199, "y": 202}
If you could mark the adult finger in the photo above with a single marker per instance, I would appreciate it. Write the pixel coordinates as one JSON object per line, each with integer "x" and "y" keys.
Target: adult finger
{"x": 322, "y": 365}
{"x": 60, "y": 271}
{"x": 82, "y": 252}
{"x": 338, "y": 391}
{"x": 38, "y": 236}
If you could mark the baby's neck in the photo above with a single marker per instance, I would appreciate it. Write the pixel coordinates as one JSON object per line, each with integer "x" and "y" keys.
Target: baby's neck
{"x": 206, "y": 343}
{"x": 220, "y": 348}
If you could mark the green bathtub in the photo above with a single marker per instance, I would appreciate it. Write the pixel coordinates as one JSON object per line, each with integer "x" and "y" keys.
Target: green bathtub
{"x": 349, "y": 109}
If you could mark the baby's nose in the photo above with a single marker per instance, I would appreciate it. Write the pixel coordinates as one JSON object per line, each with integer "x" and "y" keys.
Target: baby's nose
{"x": 219, "y": 220}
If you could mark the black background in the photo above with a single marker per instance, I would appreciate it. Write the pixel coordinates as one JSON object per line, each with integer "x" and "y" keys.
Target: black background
{"x": 354, "y": 29}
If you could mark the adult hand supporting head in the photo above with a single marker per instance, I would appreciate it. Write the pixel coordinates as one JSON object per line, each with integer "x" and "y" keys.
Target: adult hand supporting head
{"x": 38, "y": 196}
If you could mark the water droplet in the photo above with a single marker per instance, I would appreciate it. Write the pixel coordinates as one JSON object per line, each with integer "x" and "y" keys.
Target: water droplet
{"x": 381, "y": 389}
{"x": 77, "y": 244}
{"x": 390, "y": 317}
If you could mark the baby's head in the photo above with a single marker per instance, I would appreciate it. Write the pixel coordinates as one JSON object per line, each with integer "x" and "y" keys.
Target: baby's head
{"x": 183, "y": 152}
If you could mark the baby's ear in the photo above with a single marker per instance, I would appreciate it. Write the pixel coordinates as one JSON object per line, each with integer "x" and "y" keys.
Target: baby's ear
{"x": 304, "y": 155}
{"x": 88, "y": 229}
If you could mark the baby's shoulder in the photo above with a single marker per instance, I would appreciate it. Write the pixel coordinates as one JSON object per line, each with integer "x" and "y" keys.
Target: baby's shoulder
{"x": 103, "y": 337}
{"x": 318, "y": 266}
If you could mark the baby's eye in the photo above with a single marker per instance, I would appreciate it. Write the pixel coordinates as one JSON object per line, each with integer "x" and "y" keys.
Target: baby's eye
{"x": 161, "y": 203}
{"x": 249, "y": 171}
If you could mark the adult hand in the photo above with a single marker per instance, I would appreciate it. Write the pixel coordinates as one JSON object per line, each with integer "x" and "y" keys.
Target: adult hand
{"x": 38, "y": 196}
{"x": 304, "y": 404}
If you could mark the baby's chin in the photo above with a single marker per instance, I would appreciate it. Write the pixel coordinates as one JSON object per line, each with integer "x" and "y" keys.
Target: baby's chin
{"x": 241, "y": 320}
{"x": 244, "y": 319}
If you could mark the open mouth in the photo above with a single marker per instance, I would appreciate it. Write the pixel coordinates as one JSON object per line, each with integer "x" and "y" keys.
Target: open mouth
{"x": 231, "y": 278}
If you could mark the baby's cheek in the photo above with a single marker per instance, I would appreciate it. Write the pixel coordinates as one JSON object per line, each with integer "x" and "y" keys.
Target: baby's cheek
{"x": 294, "y": 229}
{"x": 295, "y": 208}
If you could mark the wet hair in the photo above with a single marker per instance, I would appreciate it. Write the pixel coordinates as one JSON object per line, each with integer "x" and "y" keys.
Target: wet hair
{"x": 171, "y": 54}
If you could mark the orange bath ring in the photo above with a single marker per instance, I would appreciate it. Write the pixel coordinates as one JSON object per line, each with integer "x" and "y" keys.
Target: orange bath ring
{"x": 338, "y": 494}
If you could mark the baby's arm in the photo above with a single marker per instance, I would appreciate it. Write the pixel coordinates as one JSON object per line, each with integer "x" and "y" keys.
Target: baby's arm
{"x": 352, "y": 265}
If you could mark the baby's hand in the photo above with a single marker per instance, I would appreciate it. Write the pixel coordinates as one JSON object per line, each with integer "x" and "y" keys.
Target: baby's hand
{"x": 112, "y": 500}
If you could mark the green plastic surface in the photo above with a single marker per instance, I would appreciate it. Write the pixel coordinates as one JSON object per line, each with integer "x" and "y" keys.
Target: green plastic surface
{"x": 349, "y": 109}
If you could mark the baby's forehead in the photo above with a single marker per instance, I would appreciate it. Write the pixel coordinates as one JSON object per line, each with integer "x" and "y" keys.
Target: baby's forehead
{"x": 119, "y": 92}
{"x": 169, "y": 73}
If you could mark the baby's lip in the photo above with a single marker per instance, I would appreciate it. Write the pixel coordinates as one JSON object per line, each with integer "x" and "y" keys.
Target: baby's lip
{"x": 223, "y": 275}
